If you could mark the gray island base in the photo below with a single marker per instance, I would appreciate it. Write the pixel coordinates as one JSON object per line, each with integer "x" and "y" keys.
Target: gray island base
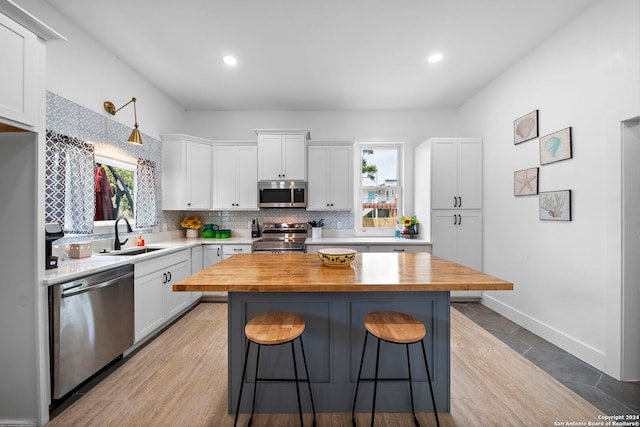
{"x": 333, "y": 341}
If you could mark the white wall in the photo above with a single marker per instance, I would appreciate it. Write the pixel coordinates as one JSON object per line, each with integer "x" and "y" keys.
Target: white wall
{"x": 567, "y": 275}
{"x": 84, "y": 72}
{"x": 412, "y": 126}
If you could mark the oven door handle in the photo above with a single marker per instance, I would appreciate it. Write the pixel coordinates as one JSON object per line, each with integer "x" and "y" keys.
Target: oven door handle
{"x": 94, "y": 287}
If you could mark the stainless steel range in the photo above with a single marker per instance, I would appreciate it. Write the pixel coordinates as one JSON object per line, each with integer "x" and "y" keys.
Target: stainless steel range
{"x": 282, "y": 237}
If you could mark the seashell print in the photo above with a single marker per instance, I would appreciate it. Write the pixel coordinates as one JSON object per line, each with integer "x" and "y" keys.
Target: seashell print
{"x": 524, "y": 128}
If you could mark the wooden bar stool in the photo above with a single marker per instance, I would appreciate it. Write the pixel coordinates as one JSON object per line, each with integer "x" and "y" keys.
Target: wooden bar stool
{"x": 275, "y": 328}
{"x": 394, "y": 328}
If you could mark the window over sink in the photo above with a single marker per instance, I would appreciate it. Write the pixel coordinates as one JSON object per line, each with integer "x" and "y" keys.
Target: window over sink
{"x": 115, "y": 182}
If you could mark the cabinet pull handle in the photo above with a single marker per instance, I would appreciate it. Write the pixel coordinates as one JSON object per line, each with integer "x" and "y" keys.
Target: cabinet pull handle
{"x": 398, "y": 250}
{"x": 237, "y": 249}
{"x": 164, "y": 278}
{"x": 455, "y": 202}
{"x": 459, "y": 201}
{"x": 169, "y": 275}
{"x": 459, "y": 219}
{"x": 218, "y": 251}
{"x": 455, "y": 219}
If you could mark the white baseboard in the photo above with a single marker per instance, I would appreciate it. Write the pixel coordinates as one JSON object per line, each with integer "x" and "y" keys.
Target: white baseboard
{"x": 571, "y": 345}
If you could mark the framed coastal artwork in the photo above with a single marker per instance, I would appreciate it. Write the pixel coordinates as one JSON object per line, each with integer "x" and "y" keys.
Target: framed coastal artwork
{"x": 525, "y": 127}
{"x": 555, "y": 147}
{"x": 525, "y": 182}
{"x": 555, "y": 205}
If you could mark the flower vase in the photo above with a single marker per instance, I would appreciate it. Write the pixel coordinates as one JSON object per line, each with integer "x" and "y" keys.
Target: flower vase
{"x": 192, "y": 233}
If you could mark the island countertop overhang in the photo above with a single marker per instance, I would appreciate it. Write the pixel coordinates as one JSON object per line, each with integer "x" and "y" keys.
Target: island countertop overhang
{"x": 370, "y": 272}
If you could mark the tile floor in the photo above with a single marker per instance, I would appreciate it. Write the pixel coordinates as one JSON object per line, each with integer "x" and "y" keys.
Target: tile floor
{"x": 604, "y": 392}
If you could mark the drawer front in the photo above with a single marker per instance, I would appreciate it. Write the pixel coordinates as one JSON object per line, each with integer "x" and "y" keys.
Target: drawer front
{"x": 399, "y": 248}
{"x": 236, "y": 249}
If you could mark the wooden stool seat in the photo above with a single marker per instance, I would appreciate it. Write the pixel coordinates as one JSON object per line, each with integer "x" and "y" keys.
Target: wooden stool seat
{"x": 274, "y": 328}
{"x": 394, "y": 327}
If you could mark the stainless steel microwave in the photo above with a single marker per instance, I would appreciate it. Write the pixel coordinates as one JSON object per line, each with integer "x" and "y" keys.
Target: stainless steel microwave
{"x": 282, "y": 194}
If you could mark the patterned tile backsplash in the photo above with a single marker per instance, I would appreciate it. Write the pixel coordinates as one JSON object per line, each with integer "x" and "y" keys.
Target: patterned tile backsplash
{"x": 108, "y": 136}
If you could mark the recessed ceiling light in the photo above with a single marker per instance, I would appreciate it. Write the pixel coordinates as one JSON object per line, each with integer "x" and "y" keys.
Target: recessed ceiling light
{"x": 436, "y": 57}
{"x": 229, "y": 60}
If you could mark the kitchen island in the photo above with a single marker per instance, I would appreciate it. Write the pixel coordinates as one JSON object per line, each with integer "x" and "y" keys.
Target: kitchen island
{"x": 334, "y": 302}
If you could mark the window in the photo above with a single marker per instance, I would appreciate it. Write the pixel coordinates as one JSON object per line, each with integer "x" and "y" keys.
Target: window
{"x": 115, "y": 189}
{"x": 380, "y": 188}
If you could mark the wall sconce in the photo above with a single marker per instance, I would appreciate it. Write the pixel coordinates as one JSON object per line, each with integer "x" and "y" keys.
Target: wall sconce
{"x": 135, "y": 137}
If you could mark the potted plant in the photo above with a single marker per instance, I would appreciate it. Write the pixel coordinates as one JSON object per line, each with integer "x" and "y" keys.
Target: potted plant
{"x": 192, "y": 224}
{"x": 410, "y": 226}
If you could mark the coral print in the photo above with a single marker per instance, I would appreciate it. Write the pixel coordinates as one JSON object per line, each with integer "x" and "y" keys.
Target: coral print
{"x": 555, "y": 205}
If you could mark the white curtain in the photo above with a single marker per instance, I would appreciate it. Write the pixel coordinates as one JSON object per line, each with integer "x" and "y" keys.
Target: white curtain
{"x": 146, "y": 204}
{"x": 69, "y": 183}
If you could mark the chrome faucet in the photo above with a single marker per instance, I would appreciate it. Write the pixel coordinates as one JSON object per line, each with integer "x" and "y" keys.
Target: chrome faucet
{"x": 118, "y": 244}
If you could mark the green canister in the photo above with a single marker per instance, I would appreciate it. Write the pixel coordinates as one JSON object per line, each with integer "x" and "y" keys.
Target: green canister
{"x": 209, "y": 231}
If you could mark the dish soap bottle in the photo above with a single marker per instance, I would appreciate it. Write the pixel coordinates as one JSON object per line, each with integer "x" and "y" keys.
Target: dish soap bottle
{"x": 140, "y": 241}
{"x": 398, "y": 229}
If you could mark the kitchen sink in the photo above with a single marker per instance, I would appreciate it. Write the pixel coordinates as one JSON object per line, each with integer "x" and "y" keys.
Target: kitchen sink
{"x": 132, "y": 252}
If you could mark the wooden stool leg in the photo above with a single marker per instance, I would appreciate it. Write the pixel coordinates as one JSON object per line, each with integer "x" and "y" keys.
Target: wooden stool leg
{"x": 415, "y": 419}
{"x": 304, "y": 359}
{"x": 353, "y": 411}
{"x": 244, "y": 371}
{"x": 375, "y": 385}
{"x": 433, "y": 399}
{"x": 255, "y": 386}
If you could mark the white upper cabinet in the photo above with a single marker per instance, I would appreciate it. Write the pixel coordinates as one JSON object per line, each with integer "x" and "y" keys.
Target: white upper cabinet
{"x": 235, "y": 177}
{"x": 282, "y": 155}
{"x": 456, "y": 173}
{"x": 186, "y": 178}
{"x": 18, "y": 73}
{"x": 330, "y": 177}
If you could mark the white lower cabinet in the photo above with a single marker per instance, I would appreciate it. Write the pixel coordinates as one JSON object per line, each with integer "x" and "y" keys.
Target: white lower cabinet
{"x": 212, "y": 254}
{"x": 196, "y": 266}
{"x": 457, "y": 236}
{"x": 155, "y": 301}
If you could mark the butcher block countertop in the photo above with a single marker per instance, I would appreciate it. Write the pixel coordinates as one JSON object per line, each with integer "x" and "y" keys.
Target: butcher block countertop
{"x": 370, "y": 272}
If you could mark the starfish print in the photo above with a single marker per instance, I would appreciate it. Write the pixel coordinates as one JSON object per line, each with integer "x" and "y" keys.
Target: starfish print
{"x": 525, "y": 182}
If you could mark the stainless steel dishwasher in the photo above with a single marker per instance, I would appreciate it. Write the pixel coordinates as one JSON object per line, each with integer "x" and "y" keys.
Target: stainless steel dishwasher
{"x": 91, "y": 323}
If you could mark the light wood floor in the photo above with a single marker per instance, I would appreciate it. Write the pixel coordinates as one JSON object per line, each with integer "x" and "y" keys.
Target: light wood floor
{"x": 180, "y": 379}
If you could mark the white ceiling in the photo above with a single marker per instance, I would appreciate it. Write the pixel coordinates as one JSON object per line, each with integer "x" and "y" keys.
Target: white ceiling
{"x": 323, "y": 54}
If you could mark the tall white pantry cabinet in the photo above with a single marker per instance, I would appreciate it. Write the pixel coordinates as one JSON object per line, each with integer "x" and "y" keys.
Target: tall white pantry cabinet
{"x": 451, "y": 195}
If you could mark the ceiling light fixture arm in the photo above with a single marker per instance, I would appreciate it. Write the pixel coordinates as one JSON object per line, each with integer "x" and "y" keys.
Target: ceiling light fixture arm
{"x": 111, "y": 109}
